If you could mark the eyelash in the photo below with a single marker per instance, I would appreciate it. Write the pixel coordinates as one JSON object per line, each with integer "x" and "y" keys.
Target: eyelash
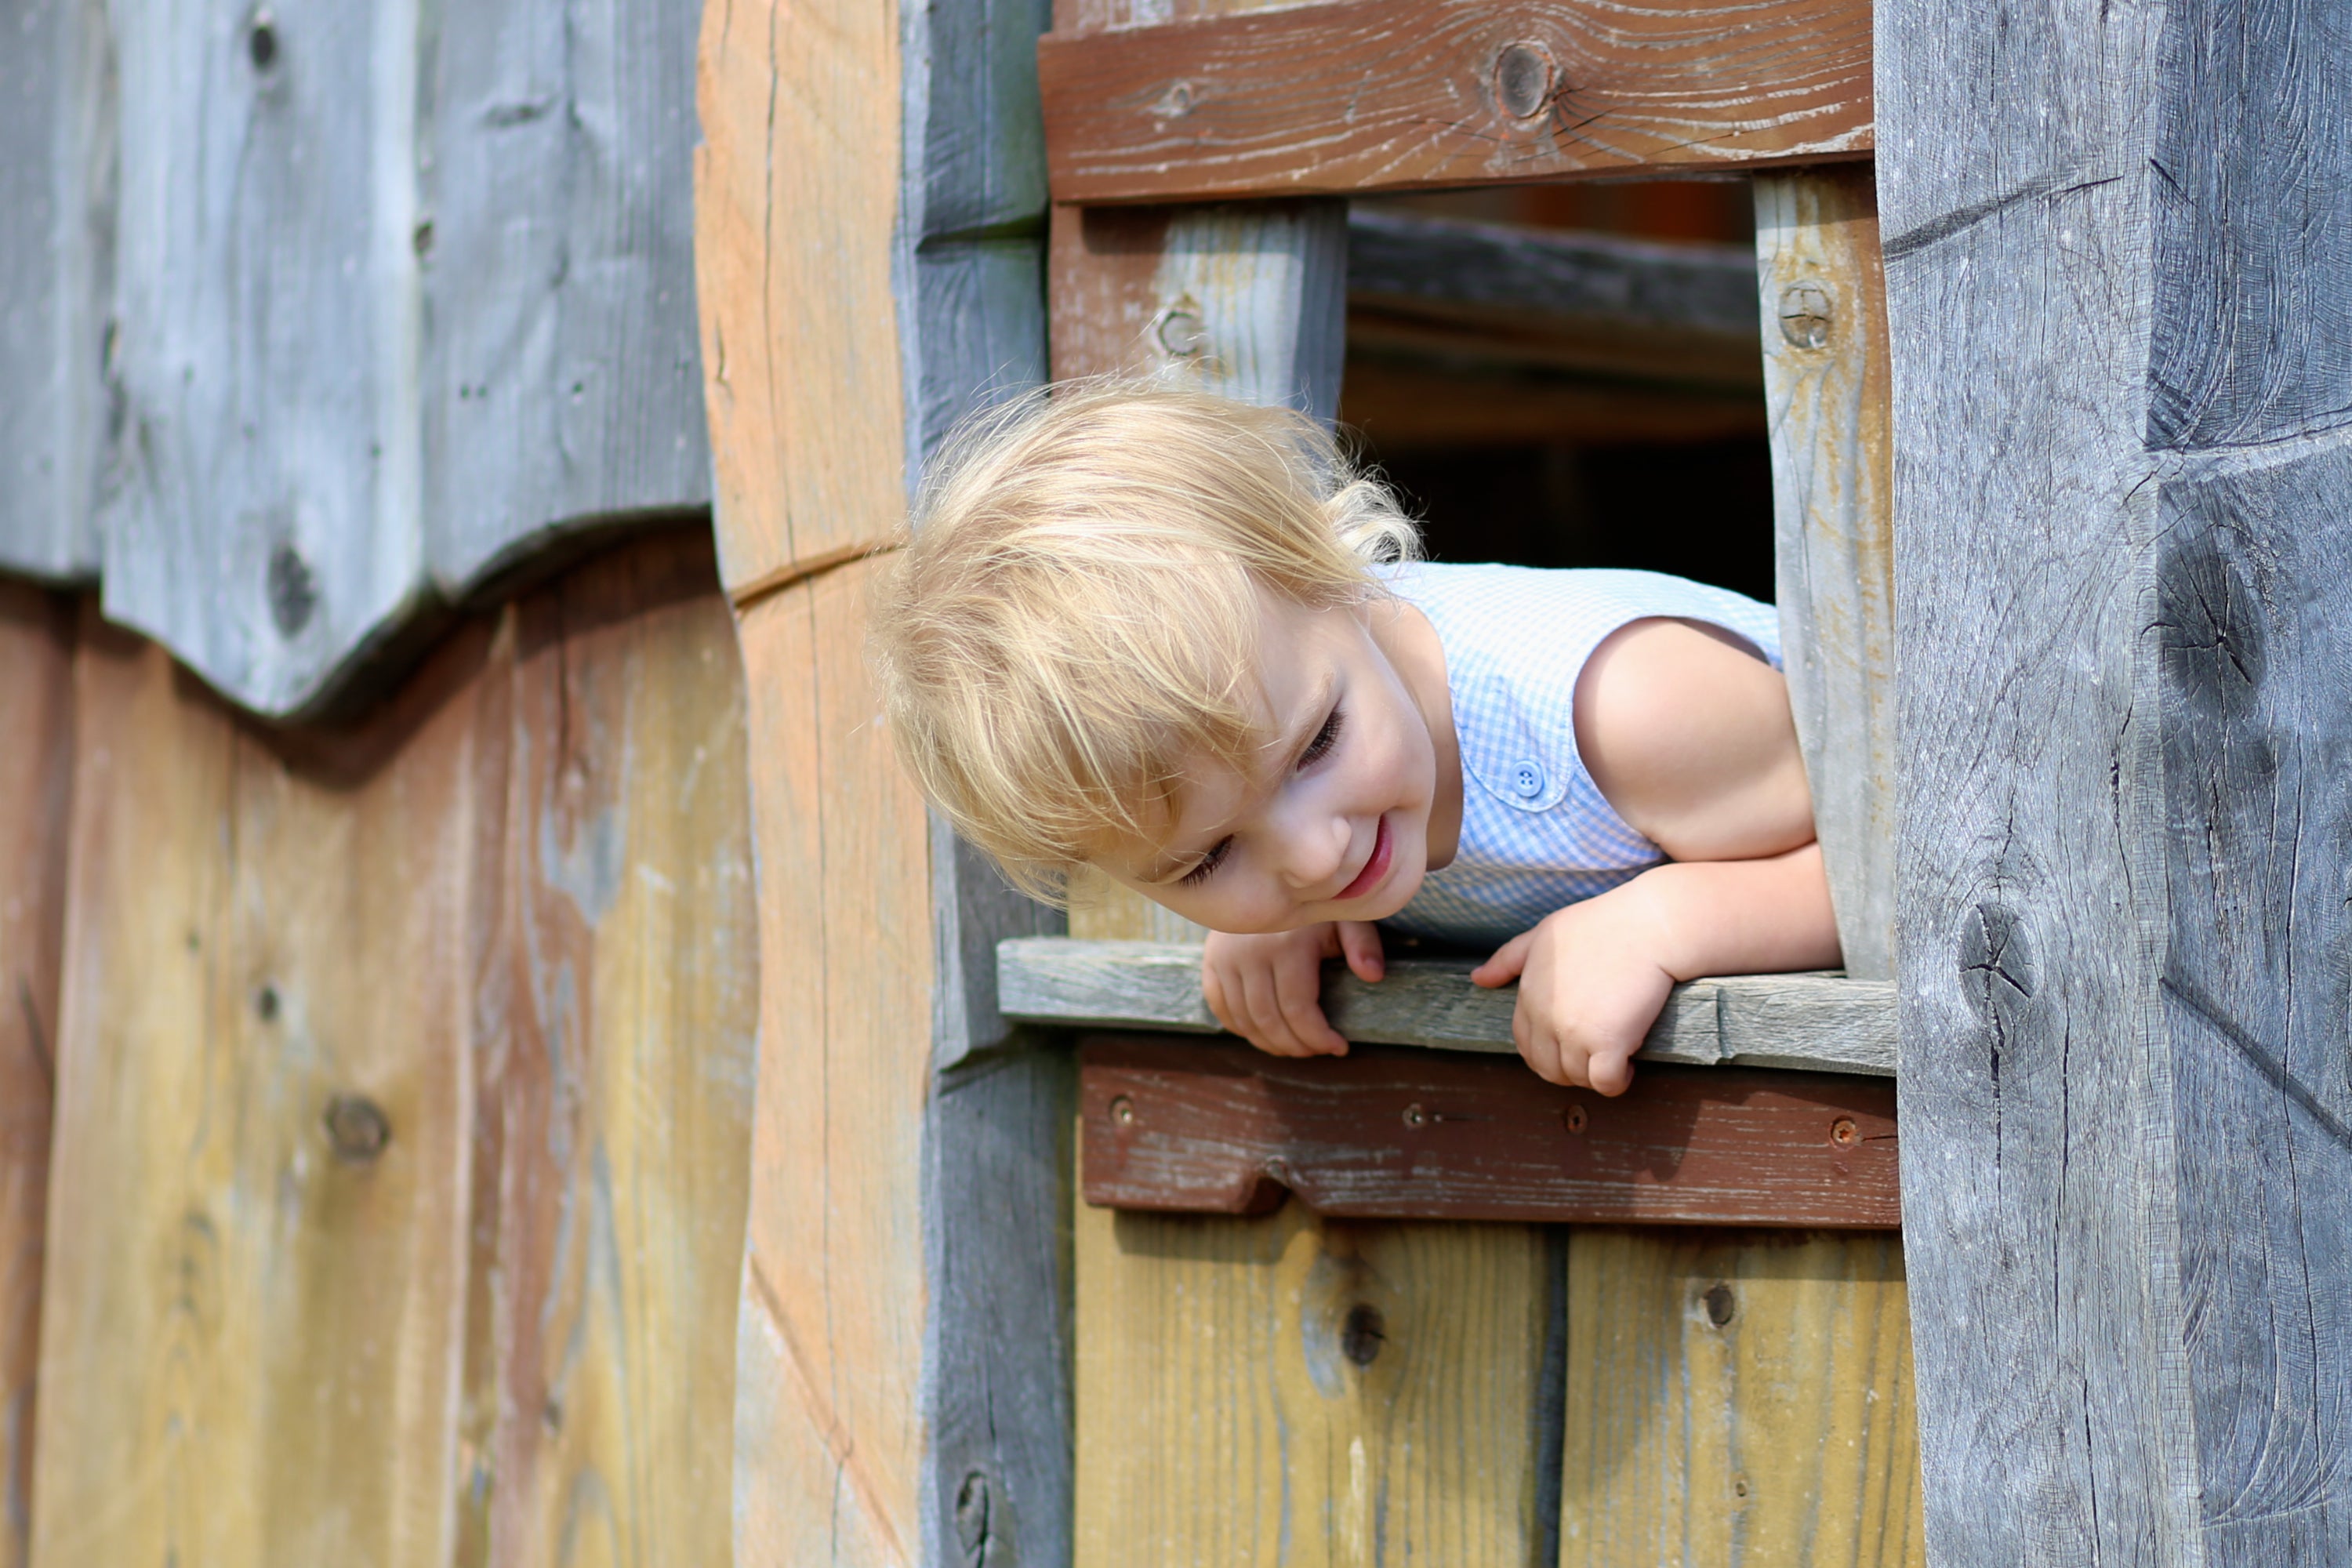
{"x": 1316, "y": 750}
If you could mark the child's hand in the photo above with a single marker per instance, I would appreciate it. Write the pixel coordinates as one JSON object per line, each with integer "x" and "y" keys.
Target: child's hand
{"x": 1591, "y": 984}
{"x": 1268, "y": 989}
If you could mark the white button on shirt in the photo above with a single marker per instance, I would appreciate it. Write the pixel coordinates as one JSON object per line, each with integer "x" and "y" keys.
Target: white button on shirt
{"x": 1535, "y": 833}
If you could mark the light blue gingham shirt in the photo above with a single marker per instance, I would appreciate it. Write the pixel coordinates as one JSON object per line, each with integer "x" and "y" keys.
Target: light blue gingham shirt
{"x": 1535, "y": 833}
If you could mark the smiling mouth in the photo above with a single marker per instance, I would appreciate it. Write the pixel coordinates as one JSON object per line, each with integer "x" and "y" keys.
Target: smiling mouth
{"x": 1383, "y": 849}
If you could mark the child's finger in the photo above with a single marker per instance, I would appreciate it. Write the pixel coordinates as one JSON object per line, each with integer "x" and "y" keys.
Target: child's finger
{"x": 1300, "y": 991}
{"x": 1611, "y": 1072}
{"x": 1262, "y": 1016}
{"x": 1359, "y": 943}
{"x": 1212, "y": 992}
{"x": 1507, "y": 962}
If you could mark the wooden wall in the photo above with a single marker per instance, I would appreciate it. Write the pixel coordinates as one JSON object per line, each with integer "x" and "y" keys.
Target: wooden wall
{"x": 402, "y": 1092}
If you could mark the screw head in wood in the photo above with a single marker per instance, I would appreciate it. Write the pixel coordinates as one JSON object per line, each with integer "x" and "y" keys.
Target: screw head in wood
{"x": 1122, "y": 1112}
{"x": 1414, "y": 1116}
{"x": 1807, "y": 312}
{"x": 1844, "y": 1133}
{"x": 1525, "y": 77}
{"x": 357, "y": 1127}
{"x": 1182, "y": 334}
{"x": 1575, "y": 1118}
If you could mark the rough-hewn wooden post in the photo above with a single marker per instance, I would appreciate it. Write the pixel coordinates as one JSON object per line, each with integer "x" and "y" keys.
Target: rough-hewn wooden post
{"x": 869, "y": 208}
{"x": 2117, "y": 274}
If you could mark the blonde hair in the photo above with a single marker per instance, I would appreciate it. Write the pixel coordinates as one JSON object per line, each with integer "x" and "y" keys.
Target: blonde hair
{"x": 1074, "y": 613}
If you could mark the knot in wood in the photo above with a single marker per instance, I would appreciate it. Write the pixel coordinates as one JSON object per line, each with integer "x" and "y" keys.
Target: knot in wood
{"x": 1524, "y": 80}
{"x": 1720, "y": 1304}
{"x": 261, "y": 41}
{"x": 1807, "y": 312}
{"x": 357, "y": 1127}
{"x": 293, "y": 592}
{"x": 1363, "y": 1334}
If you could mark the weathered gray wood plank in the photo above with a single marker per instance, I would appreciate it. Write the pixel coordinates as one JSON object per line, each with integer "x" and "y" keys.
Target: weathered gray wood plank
{"x": 1812, "y": 1022}
{"x": 404, "y": 293}
{"x": 2123, "y": 584}
{"x": 1826, "y": 378}
{"x": 561, "y": 381}
{"x": 57, "y": 131}
{"x": 1253, "y": 296}
{"x": 997, "y": 1478}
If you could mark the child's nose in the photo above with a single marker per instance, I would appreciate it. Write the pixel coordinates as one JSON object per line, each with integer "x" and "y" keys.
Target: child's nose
{"x": 1317, "y": 846}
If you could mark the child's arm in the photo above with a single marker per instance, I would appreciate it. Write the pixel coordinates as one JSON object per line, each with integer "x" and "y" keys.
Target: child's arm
{"x": 1691, "y": 740}
{"x": 1593, "y": 976}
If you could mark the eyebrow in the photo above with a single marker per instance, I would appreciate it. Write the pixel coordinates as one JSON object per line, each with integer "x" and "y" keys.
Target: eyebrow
{"x": 1318, "y": 712}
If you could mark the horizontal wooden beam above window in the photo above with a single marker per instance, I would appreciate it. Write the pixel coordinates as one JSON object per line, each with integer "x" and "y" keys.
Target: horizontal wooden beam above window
{"x": 1190, "y": 1127}
{"x": 1812, "y": 1022}
{"x": 1392, "y": 95}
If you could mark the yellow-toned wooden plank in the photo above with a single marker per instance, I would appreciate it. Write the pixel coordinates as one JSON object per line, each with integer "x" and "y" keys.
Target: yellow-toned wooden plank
{"x": 1737, "y": 1402}
{"x": 796, "y": 189}
{"x": 250, "y": 1324}
{"x": 1289, "y": 1391}
{"x": 827, "y": 1426}
{"x": 36, "y": 643}
{"x": 614, "y": 1099}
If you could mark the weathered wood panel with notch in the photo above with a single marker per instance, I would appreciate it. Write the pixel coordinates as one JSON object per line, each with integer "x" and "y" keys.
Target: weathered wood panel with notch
{"x": 1179, "y": 1127}
{"x": 1419, "y": 93}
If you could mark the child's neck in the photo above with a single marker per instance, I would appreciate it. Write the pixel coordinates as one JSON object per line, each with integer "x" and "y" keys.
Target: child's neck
{"x": 1415, "y": 651}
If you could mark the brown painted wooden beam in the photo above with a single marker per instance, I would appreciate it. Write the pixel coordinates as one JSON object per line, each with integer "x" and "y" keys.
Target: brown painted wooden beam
{"x": 1386, "y": 95}
{"x": 1182, "y": 1126}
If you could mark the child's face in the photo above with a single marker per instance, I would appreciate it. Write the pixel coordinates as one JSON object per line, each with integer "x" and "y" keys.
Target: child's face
{"x": 1334, "y": 823}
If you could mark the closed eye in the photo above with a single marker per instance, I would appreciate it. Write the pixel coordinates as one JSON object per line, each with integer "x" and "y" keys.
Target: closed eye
{"x": 1325, "y": 739}
{"x": 1207, "y": 865}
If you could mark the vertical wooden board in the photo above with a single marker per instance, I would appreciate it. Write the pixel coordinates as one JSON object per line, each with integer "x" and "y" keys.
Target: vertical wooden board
{"x": 1293, "y": 1391}
{"x": 36, "y": 643}
{"x": 56, "y": 109}
{"x": 614, "y": 1101}
{"x": 265, "y": 520}
{"x": 796, "y": 189}
{"x": 1738, "y": 1403}
{"x": 257, "y": 1220}
{"x": 829, "y": 1435}
{"x": 1826, "y": 381}
{"x": 561, "y": 380}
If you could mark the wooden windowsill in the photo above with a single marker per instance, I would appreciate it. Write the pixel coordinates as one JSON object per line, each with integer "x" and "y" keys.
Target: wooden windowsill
{"x": 1816, "y": 1023}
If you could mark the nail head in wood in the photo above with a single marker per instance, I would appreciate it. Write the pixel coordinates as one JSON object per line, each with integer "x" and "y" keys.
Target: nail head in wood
{"x": 1182, "y": 332}
{"x": 1523, "y": 78}
{"x": 357, "y": 1127}
{"x": 1720, "y": 1304}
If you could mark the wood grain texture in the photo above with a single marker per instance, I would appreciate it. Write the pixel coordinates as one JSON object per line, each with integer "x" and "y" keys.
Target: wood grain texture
{"x": 2125, "y": 1136}
{"x": 828, "y": 1419}
{"x": 1516, "y": 295}
{"x": 1180, "y": 1126}
{"x": 1826, "y": 381}
{"x": 1408, "y": 94}
{"x": 37, "y": 757}
{"x": 57, "y": 170}
{"x": 1294, "y": 1391}
{"x": 435, "y": 1269}
{"x": 560, "y": 381}
{"x": 249, "y": 1341}
{"x": 612, "y": 1131}
{"x": 1757, "y": 1020}
{"x": 1736, "y": 1401}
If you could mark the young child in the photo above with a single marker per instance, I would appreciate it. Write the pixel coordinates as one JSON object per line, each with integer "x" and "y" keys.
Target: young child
{"x": 1179, "y": 639}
